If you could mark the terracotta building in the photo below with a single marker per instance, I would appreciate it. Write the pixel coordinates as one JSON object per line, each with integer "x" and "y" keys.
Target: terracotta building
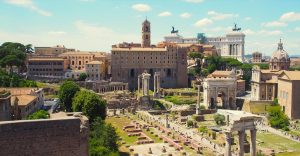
{"x": 280, "y": 59}
{"x": 130, "y": 61}
{"x": 289, "y": 93}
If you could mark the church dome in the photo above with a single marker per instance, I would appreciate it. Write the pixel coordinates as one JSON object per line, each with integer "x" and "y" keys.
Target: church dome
{"x": 280, "y": 53}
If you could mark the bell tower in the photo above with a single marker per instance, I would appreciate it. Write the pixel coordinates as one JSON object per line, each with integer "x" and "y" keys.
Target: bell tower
{"x": 146, "y": 34}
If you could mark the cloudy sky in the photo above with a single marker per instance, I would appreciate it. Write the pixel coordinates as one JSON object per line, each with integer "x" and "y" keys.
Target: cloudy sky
{"x": 97, "y": 24}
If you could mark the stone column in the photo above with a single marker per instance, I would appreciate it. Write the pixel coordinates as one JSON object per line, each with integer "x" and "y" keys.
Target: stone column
{"x": 167, "y": 121}
{"x": 198, "y": 101}
{"x": 154, "y": 83}
{"x": 241, "y": 142}
{"x": 139, "y": 82}
{"x": 228, "y": 144}
{"x": 253, "y": 142}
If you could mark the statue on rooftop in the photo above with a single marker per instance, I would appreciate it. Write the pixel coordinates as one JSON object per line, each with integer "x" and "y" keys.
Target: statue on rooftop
{"x": 173, "y": 30}
{"x": 236, "y": 28}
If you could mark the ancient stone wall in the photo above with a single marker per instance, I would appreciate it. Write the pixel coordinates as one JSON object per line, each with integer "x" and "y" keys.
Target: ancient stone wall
{"x": 52, "y": 137}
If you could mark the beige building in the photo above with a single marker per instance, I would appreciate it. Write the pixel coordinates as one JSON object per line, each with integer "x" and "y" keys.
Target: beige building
{"x": 95, "y": 70}
{"x": 219, "y": 90}
{"x": 256, "y": 57}
{"x": 46, "y": 67}
{"x": 55, "y": 50}
{"x": 78, "y": 59}
{"x": 73, "y": 74}
{"x": 280, "y": 59}
{"x": 25, "y": 101}
{"x": 289, "y": 93}
{"x": 264, "y": 84}
{"x": 131, "y": 60}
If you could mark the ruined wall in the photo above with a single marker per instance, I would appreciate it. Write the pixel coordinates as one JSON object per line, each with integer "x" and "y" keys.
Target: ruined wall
{"x": 52, "y": 137}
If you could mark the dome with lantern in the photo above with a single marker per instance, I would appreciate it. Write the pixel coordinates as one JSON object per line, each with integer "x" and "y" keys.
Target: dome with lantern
{"x": 280, "y": 59}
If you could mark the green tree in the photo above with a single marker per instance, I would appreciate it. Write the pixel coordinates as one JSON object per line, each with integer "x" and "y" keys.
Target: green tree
{"x": 103, "y": 139}
{"x": 90, "y": 104}
{"x": 66, "y": 93}
{"x": 247, "y": 73}
{"x": 277, "y": 118}
{"x": 41, "y": 114}
{"x": 219, "y": 119}
{"x": 82, "y": 77}
{"x": 12, "y": 54}
{"x": 94, "y": 107}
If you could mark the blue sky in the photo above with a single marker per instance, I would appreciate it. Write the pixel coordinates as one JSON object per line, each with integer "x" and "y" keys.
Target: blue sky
{"x": 97, "y": 24}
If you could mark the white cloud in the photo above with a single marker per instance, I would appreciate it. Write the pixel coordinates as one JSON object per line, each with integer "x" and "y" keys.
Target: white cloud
{"x": 220, "y": 16}
{"x": 248, "y": 32}
{"x": 185, "y": 15}
{"x": 194, "y": 1}
{"x": 102, "y": 36}
{"x": 270, "y": 33}
{"x": 29, "y": 4}
{"x": 164, "y": 14}
{"x": 203, "y": 22}
{"x": 57, "y": 33}
{"x": 217, "y": 29}
{"x": 247, "y": 18}
{"x": 141, "y": 7}
{"x": 290, "y": 17}
{"x": 297, "y": 29}
{"x": 274, "y": 24}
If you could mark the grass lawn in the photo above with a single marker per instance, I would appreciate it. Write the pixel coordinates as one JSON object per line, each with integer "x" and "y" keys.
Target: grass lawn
{"x": 119, "y": 123}
{"x": 179, "y": 100}
{"x": 278, "y": 143}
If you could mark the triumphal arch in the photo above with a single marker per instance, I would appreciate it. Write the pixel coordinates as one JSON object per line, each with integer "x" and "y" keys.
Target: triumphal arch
{"x": 219, "y": 90}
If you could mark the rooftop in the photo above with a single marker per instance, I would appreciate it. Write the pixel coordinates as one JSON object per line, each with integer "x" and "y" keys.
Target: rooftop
{"x": 292, "y": 75}
{"x": 23, "y": 100}
{"x": 219, "y": 73}
{"x": 140, "y": 49}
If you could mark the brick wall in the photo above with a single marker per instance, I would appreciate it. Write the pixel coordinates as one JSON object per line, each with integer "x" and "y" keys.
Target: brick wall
{"x": 44, "y": 137}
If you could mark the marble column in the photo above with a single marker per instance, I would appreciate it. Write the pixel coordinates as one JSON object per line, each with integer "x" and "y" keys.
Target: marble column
{"x": 253, "y": 142}
{"x": 154, "y": 91}
{"x": 241, "y": 142}
{"x": 228, "y": 144}
{"x": 139, "y": 83}
{"x": 198, "y": 101}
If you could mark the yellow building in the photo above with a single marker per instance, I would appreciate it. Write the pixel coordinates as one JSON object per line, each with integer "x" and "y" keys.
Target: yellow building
{"x": 55, "y": 50}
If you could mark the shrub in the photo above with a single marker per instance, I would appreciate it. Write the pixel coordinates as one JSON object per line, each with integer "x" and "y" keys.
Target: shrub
{"x": 41, "y": 114}
{"x": 203, "y": 129}
{"x": 277, "y": 118}
{"x": 219, "y": 119}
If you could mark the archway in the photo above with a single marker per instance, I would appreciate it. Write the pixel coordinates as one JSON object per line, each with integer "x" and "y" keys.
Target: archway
{"x": 221, "y": 99}
{"x": 212, "y": 103}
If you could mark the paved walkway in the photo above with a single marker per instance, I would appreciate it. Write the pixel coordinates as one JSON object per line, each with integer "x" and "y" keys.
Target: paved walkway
{"x": 190, "y": 133}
